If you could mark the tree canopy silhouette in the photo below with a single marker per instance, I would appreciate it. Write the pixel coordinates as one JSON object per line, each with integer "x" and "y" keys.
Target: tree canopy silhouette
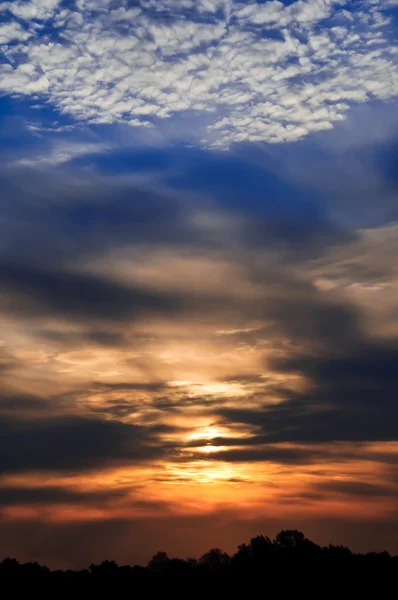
{"x": 260, "y": 555}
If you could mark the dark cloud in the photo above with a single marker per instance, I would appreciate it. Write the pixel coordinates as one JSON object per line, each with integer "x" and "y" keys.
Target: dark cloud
{"x": 313, "y": 420}
{"x": 298, "y": 227}
{"x": 258, "y": 449}
{"x": 293, "y": 308}
{"x": 55, "y": 495}
{"x": 78, "y": 214}
{"x": 54, "y": 222}
{"x": 71, "y": 444}
{"x": 121, "y": 386}
{"x": 354, "y": 395}
{"x": 293, "y": 456}
{"x": 353, "y": 376}
{"x": 20, "y": 403}
{"x": 96, "y": 337}
{"x": 365, "y": 363}
{"x": 357, "y": 488}
{"x": 33, "y": 291}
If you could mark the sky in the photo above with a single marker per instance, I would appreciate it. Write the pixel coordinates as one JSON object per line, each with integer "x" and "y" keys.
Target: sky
{"x": 198, "y": 276}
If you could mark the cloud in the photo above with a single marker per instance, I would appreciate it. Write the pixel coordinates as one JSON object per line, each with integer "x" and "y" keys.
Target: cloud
{"x": 152, "y": 337}
{"x": 21, "y": 496}
{"x": 357, "y": 488}
{"x": 353, "y": 399}
{"x": 272, "y": 454}
{"x": 262, "y": 72}
{"x": 277, "y": 14}
{"x": 144, "y": 284}
{"x": 11, "y": 32}
{"x": 35, "y": 291}
{"x": 70, "y": 444}
{"x": 21, "y": 403}
{"x": 350, "y": 371}
{"x": 33, "y": 9}
{"x": 201, "y": 6}
{"x": 64, "y": 152}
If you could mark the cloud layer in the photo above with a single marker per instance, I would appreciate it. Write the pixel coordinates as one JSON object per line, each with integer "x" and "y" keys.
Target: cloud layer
{"x": 233, "y": 71}
{"x": 173, "y": 358}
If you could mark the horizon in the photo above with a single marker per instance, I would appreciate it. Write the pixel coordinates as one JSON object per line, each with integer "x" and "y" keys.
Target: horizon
{"x": 198, "y": 276}
{"x": 288, "y": 545}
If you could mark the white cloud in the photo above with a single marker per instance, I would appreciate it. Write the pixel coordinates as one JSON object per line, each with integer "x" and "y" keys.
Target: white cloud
{"x": 24, "y": 79}
{"x": 35, "y": 9}
{"x": 251, "y": 72}
{"x": 275, "y": 13}
{"x": 201, "y": 6}
{"x": 11, "y": 32}
{"x": 64, "y": 152}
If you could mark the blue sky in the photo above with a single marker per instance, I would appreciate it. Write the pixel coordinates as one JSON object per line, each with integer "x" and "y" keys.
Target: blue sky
{"x": 198, "y": 281}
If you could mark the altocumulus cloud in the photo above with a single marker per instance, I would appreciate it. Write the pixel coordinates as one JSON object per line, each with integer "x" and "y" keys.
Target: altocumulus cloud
{"x": 257, "y": 71}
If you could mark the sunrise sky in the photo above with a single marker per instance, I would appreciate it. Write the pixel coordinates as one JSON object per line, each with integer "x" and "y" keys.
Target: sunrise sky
{"x": 198, "y": 275}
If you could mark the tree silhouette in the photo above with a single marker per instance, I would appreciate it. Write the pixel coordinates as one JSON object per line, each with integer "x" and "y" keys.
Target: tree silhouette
{"x": 159, "y": 562}
{"x": 107, "y": 568}
{"x": 261, "y": 555}
{"x": 215, "y": 558}
{"x": 290, "y": 538}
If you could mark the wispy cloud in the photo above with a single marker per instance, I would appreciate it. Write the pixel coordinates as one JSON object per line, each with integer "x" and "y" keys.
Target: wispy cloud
{"x": 63, "y": 152}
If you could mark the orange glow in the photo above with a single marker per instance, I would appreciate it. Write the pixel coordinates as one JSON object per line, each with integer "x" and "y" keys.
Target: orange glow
{"x": 205, "y": 486}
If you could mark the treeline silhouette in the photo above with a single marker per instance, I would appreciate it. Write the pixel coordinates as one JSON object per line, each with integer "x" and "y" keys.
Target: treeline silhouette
{"x": 261, "y": 554}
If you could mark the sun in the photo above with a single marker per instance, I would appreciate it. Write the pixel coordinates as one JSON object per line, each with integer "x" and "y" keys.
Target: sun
{"x": 208, "y": 432}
